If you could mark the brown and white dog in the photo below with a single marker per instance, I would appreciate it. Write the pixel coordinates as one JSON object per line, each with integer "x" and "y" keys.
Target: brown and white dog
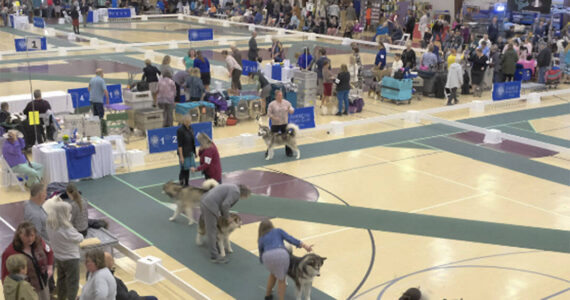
{"x": 187, "y": 198}
{"x": 225, "y": 228}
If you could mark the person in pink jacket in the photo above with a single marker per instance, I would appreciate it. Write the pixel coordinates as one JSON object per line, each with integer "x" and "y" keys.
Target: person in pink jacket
{"x": 210, "y": 163}
{"x": 165, "y": 95}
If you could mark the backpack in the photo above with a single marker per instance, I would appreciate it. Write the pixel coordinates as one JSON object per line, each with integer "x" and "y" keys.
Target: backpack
{"x": 142, "y": 86}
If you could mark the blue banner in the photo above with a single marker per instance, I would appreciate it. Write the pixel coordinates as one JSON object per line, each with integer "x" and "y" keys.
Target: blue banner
{"x": 39, "y": 22}
{"x": 303, "y": 117}
{"x": 248, "y": 67}
{"x": 506, "y": 90}
{"x": 202, "y": 34}
{"x": 90, "y": 17}
{"x": 116, "y": 13}
{"x": 34, "y": 43}
{"x": 164, "y": 139}
{"x": 79, "y": 97}
{"x": 115, "y": 93}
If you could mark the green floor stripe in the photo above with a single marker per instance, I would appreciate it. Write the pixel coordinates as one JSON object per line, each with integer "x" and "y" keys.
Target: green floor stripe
{"x": 408, "y": 223}
{"x": 58, "y": 42}
{"x": 6, "y": 60}
{"x": 505, "y": 160}
{"x": 523, "y": 126}
{"x": 120, "y": 223}
{"x": 535, "y": 136}
{"x": 243, "y": 278}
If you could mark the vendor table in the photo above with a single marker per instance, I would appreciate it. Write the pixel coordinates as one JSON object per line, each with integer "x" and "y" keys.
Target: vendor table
{"x": 60, "y": 101}
{"x": 53, "y": 157}
{"x": 17, "y": 21}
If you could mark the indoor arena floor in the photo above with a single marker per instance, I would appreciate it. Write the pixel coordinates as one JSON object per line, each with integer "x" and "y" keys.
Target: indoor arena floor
{"x": 392, "y": 205}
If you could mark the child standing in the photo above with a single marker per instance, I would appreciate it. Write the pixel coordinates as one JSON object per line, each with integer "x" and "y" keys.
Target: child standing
{"x": 397, "y": 64}
{"x": 454, "y": 82}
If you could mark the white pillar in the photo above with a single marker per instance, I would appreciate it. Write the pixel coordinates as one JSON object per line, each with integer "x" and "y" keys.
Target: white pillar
{"x": 413, "y": 116}
{"x": 180, "y": 17}
{"x": 477, "y": 107}
{"x": 492, "y": 136}
{"x": 144, "y": 18}
{"x": 337, "y": 128}
{"x": 62, "y": 52}
{"x": 147, "y": 269}
{"x": 202, "y": 21}
{"x": 173, "y": 45}
{"x": 533, "y": 99}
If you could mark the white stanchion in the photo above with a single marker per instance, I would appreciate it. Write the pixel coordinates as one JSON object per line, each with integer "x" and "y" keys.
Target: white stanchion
{"x": 149, "y": 54}
{"x": 61, "y": 52}
{"x": 180, "y": 17}
{"x": 312, "y": 37}
{"x": 477, "y": 107}
{"x": 281, "y": 32}
{"x": 268, "y": 39}
{"x": 173, "y": 45}
{"x": 147, "y": 269}
{"x": 71, "y": 36}
{"x": 61, "y": 21}
{"x": 413, "y": 116}
{"x": 337, "y": 128}
{"x": 49, "y": 32}
{"x": 492, "y": 136}
{"x": 251, "y": 28}
{"x": 135, "y": 158}
{"x": 247, "y": 140}
{"x": 533, "y": 99}
{"x": 144, "y": 18}
{"x": 94, "y": 42}
{"x": 226, "y": 24}
{"x": 202, "y": 21}
{"x": 346, "y": 41}
{"x": 222, "y": 42}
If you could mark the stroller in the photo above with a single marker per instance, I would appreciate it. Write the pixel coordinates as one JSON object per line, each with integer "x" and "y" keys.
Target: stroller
{"x": 552, "y": 77}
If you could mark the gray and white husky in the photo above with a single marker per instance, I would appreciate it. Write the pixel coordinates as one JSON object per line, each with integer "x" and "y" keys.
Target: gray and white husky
{"x": 225, "y": 228}
{"x": 303, "y": 270}
{"x": 274, "y": 139}
{"x": 187, "y": 198}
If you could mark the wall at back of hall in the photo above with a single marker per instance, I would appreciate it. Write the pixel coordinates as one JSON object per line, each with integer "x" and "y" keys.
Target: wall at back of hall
{"x": 444, "y": 5}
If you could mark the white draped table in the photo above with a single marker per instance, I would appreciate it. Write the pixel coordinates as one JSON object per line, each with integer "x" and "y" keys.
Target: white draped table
{"x": 52, "y": 156}
{"x": 59, "y": 101}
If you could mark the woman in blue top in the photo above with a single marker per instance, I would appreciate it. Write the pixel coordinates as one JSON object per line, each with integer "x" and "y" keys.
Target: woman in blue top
{"x": 275, "y": 257}
{"x": 203, "y": 64}
{"x": 305, "y": 59}
{"x": 277, "y": 51}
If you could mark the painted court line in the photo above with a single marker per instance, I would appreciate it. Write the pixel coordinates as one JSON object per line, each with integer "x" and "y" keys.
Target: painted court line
{"x": 121, "y": 223}
{"x": 7, "y": 224}
{"x": 448, "y": 202}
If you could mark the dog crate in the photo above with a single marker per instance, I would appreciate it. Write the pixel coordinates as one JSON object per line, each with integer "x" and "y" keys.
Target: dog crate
{"x": 207, "y": 114}
{"x": 242, "y": 110}
{"x": 72, "y": 122}
{"x": 255, "y": 108}
{"x": 150, "y": 118}
{"x": 92, "y": 126}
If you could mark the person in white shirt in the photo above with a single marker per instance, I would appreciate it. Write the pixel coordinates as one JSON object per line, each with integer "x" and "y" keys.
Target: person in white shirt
{"x": 64, "y": 241}
{"x": 397, "y": 64}
{"x": 101, "y": 284}
{"x": 235, "y": 72}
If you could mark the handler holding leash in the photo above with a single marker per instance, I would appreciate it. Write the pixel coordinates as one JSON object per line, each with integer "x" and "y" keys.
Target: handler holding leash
{"x": 215, "y": 203}
{"x": 278, "y": 111}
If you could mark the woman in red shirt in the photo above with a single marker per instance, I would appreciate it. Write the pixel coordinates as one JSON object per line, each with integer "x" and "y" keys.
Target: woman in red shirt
{"x": 27, "y": 241}
{"x": 210, "y": 163}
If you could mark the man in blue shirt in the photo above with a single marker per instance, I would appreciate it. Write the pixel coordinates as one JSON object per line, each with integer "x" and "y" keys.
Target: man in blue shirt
{"x": 380, "y": 63}
{"x": 98, "y": 90}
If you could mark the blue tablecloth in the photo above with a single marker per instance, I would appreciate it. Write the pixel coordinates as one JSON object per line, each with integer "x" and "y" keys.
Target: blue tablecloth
{"x": 79, "y": 161}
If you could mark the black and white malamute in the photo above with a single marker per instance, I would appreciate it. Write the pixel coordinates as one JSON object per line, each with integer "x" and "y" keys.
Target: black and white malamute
{"x": 275, "y": 139}
{"x": 187, "y": 198}
{"x": 302, "y": 270}
{"x": 225, "y": 228}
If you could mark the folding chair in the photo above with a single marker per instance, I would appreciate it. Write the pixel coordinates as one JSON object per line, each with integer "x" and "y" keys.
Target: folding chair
{"x": 403, "y": 40}
{"x": 119, "y": 151}
{"x": 9, "y": 177}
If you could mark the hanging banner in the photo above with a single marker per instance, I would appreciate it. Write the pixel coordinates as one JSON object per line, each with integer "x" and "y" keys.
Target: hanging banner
{"x": 30, "y": 44}
{"x": 117, "y": 13}
{"x": 79, "y": 97}
{"x": 39, "y": 22}
{"x": 506, "y": 90}
{"x": 165, "y": 139}
{"x": 202, "y": 34}
{"x": 115, "y": 93}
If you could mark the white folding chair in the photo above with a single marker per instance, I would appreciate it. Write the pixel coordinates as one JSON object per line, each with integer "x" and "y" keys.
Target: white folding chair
{"x": 402, "y": 42}
{"x": 9, "y": 177}
{"x": 119, "y": 151}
